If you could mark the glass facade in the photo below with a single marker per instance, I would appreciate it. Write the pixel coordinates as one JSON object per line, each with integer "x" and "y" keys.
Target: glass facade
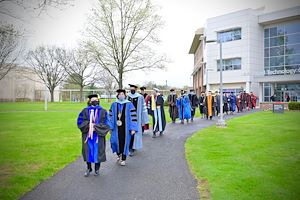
{"x": 231, "y": 35}
{"x": 267, "y": 92}
{"x": 230, "y": 64}
{"x": 282, "y": 49}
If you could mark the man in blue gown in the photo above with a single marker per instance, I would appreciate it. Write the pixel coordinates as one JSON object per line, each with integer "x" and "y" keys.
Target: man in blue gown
{"x": 184, "y": 107}
{"x": 123, "y": 122}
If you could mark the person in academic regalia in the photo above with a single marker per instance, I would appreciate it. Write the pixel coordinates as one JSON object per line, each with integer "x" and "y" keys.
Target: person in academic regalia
{"x": 156, "y": 107}
{"x": 142, "y": 118}
{"x": 217, "y": 103}
{"x": 225, "y": 103}
{"x": 247, "y": 100}
{"x": 172, "y": 105}
{"x": 146, "y": 98}
{"x": 94, "y": 125}
{"x": 123, "y": 122}
{"x": 232, "y": 102}
{"x": 184, "y": 107}
{"x": 253, "y": 100}
{"x": 239, "y": 102}
{"x": 201, "y": 104}
{"x": 194, "y": 103}
{"x": 209, "y": 104}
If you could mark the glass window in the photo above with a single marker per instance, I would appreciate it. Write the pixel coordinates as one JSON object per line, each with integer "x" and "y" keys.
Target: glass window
{"x": 276, "y": 61}
{"x": 267, "y": 54}
{"x": 230, "y": 64}
{"x": 292, "y": 28}
{"x": 267, "y": 62}
{"x": 231, "y": 35}
{"x": 276, "y": 51}
{"x": 273, "y": 31}
{"x": 277, "y": 41}
{"x": 292, "y": 59}
{"x": 292, "y": 49}
{"x": 280, "y": 30}
{"x": 267, "y": 33}
{"x": 293, "y": 39}
{"x": 267, "y": 42}
{"x": 267, "y": 91}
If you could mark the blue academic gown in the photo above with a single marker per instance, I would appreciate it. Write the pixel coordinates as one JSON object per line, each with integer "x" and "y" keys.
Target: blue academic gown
{"x": 131, "y": 124}
{"x": 232, "y": 102}
{"x": 184, "y": 107}
{"x": 142, "y": 118}
{"x": 94, "y": 149}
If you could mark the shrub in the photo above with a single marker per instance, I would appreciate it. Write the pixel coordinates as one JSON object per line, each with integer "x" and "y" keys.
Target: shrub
{"x": 294, "y": 105}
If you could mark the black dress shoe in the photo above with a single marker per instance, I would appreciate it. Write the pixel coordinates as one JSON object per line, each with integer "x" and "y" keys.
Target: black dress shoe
{"x": 96, "y": 173}
{"x": 154, "y": 135}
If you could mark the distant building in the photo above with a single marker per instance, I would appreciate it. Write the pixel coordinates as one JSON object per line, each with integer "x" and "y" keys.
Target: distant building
{"x": 22, "y": 84}
{"x": 261, "y": 53}
{"x": 199, "y": 65}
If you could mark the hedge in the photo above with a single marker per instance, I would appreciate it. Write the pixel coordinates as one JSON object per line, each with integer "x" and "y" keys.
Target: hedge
{"x": 294, "y": 105}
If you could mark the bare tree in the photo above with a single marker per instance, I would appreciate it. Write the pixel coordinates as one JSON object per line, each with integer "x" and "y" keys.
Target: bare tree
{"x": 10, "y": 7}
{"x": 80, "y": 69}
{"x": 104, "y": 79}
{"x": 10, "y": 48}
{"x": 121, "y": 34}
{"x": 49, "y": 63}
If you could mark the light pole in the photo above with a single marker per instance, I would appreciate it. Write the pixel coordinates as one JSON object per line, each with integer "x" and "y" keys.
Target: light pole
{"x": 221, "y": 122}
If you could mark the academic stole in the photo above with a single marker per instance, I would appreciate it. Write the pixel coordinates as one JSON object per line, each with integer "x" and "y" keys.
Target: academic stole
{"x": 153, "y": 103}
{"x": 93, "y": 116}
{"x": 120, "y": 112}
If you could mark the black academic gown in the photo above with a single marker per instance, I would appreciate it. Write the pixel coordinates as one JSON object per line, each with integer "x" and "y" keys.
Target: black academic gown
{"x": 172, "y": 106}
{"x": 158, "y": 114}
{"x": 194, "y": 103}
{"x": 101, "y": 129}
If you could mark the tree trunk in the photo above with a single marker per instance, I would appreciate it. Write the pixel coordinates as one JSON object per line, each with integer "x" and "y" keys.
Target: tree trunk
{"x": 52, "y": 95}
{"x": 81, "y": 94}
{"x": 120, "y": 80}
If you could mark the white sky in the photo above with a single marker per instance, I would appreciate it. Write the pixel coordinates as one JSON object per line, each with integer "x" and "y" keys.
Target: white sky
{"x": 182, "y": 18}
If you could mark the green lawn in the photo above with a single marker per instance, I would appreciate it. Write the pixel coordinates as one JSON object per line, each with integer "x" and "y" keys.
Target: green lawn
{"x": 256, "y": 157}
{"x": 36, "y": 144}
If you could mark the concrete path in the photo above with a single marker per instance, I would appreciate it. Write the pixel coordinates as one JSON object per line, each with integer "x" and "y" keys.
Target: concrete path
{"x": 157, "y": 172}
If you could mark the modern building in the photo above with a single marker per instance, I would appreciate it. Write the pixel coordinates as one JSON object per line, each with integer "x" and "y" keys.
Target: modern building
{"x": 260, "y": 52}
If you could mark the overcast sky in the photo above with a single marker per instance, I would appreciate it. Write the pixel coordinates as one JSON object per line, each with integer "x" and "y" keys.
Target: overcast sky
{"x": 182, "y": 18}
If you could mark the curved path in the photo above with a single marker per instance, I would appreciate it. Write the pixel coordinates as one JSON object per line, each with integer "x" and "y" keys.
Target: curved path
{"x": 158, "y": 171}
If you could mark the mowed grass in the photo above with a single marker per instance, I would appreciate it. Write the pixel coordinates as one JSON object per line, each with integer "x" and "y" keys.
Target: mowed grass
{"x": 36, "y": 144}
{"x": 256, "y": 157}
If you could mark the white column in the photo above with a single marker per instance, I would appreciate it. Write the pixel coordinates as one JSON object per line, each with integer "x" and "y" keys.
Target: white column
{"x": 247, "y": 86}
{"x": 260, "y": 95}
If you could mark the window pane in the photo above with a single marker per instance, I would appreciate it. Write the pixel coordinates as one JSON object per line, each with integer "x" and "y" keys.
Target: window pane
{"x": 273, "y": 31}
{"x": 293, "y": 39}
{"x": 267, "y": 33}
{"x": 276, "y": 61}
{"x": 277, "y": 41}
{"x": 267, "y": 91}
{"x": 267, "y": 42}
{"x": 267, "y": 62}
{"x": 267, "y": 54}
{"x": 229, "y": 35}
{"x": 292, "y": 28}
{"x": 292, "y": 49}
{"x": 280, "y": 30}
{"x": 292, "y": 59}
{"x": 276, "y": 51}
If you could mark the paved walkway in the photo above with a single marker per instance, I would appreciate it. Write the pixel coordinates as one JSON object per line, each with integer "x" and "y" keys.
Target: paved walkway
{"x": 157, "y": 172}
